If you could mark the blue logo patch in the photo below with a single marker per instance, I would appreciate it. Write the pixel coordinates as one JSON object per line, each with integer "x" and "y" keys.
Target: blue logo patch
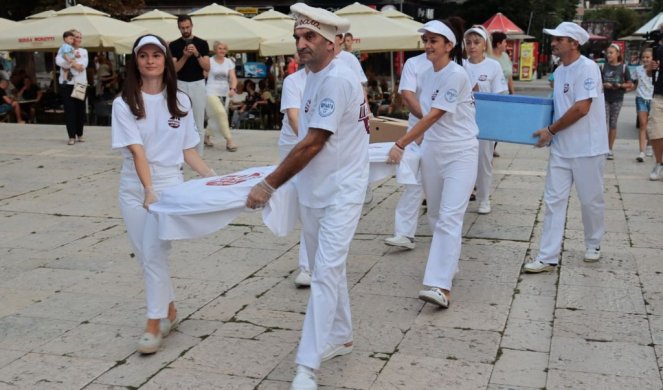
{"x": 326, "y": 107}
{"x": 451, "y": 95}
{"x": 589, "y": 84}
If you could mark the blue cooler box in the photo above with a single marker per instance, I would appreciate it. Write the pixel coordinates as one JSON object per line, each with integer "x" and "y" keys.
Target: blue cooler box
{"x": 511, "y": 118}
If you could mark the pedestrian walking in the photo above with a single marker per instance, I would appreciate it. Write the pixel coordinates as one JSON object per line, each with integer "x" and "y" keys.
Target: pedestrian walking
{"x": 331, "y": 164}
{"x": 616, "y": 81}
{"x": 74, "y": 106}
{"x": 407, "y": 210}
{"x": 578, "y": 141}
{"x": 449, "y": 153}
{"x": 644, "y": 92}
{"x": 486, "y": 75}
{"x": 221, "y": 86}
{"x": 191, "y": 57}
{"x": 154, "y": 129}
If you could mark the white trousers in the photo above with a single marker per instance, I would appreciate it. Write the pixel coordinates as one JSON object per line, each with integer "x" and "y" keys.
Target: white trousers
{"x": 485, "y": 170}
{"x": 217, "y": 117}
{"x": 151, "y": 252}
{"x": 198, "y": 94}
{"x": 587, "y": 174}
{"x": 328, "y": 233}
{"x": 407, "y": 210}
{"x": 448, "y": 172}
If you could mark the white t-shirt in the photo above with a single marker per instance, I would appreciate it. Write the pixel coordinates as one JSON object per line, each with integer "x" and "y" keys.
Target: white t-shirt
{"x": 77, "y": 77}
{"x": 291, "y": 97}
{"x": 449, "y": 90}
{"x": 353, "y": 63}
{"x": 588, "y": 136}
{"x": 411, "y": 79}
{"x": 218, "y": 78}
{"x": 645, "y": 87}
{"x": 163, "y": 136}
{"x": 487, "y": 74}
{"x": 333, "y": 100}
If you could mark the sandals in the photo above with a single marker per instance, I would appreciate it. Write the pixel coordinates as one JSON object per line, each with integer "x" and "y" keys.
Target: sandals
{"x": 231, "y": 148}
{"x": 71, "y": 141}
{"x": 80, "y": 139}
{"x": 435, "y": 296}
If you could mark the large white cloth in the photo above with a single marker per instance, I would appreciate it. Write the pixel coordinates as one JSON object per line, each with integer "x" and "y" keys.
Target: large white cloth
{"x": 406, "y": 172}
{"x": 588, "y": 136}
{"x": 162, "y": 136}
{"x": 333, "y": 101}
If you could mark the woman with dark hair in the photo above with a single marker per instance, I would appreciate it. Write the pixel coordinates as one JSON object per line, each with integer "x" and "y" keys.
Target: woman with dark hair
{"x": 74, "y": 109}
{"x": 449, "y": 153}
{"x": 155, "y": 131}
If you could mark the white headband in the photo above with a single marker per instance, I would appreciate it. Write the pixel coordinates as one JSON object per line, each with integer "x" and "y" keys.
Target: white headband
{"x": 478, "y": 31}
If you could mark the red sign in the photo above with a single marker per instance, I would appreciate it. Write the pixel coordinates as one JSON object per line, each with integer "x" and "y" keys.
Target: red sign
{"x": 36, "y": 39}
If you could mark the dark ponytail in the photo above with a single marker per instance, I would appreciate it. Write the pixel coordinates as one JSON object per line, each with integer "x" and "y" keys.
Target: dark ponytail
{"x": 457, "y": 25}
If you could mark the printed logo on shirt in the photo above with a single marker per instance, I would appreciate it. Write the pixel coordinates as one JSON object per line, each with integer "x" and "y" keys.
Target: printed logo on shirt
{"x": 434, "y": 94}
{"x": 451, "y": 95}
{"x": 566, "y": 87}
{"x": 174, "y": 122}
{"x": 483, "y": 77}
{"x": 231, "y": 180}
{"x": 327, "y": 107}
{"x": 307, "y": 106}
{"x": 589, "y": 84}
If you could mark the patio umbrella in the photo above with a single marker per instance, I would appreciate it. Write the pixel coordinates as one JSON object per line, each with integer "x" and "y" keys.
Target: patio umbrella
{"x": 98, "y": 29}
{"x": 403, "y": 19}
{"x": 159, "y": 23}
{"x": 216, "y": 22}
{"x": 6, "y": 24}
{"x": 651, "y": 25}
{"x": 38, "y": 16}
{"x": 374, "y": 32}
{"x": 276, "y": 19}
{"x": 499, "y": 22}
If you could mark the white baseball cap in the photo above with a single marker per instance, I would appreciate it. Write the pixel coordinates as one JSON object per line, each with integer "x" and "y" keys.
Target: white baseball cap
{"x": 569, "y": 30}
{"x": 437, "y": 27}
{"x": 149, "y": 40}
{"x": 319, "y": 20}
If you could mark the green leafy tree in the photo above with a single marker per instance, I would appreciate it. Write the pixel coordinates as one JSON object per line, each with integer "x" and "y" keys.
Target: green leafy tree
{"x": 626, "y": 20}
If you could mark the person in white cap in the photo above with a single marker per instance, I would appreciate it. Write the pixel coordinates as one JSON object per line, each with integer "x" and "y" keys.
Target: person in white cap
{"x": 331, "y": 164}
{"x": 407, "y": 210}
{"x": 485, "y": 76}
{"x": 154, "y": 129}
{"x": 578, "y": 140}
{"x": 449, "y": 153}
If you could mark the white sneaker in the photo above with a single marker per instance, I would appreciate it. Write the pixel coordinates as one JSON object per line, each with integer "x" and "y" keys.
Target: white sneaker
{"x": 641, "y": 157}
{"x": 484, "y": 207}
{"x": 331, "y": 351}
{"x": 304, "y": 379}
{"x": 592, "y": 255}
{"x": 656, "y": 172}
{"x": 610, "y": 156}
{"x": 400, "y": 241}
{"x": 536, "y": 266}
{"x": 434, "y": 296}
{"x": 648, "y": 151}
{"x": 303, "y": 279}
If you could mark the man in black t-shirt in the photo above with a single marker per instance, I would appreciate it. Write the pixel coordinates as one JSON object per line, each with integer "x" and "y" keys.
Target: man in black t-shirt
{"x": 191, "y": 57}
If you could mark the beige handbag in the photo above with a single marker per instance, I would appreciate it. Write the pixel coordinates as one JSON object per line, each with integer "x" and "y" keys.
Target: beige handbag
{"x": 79, "y": 91}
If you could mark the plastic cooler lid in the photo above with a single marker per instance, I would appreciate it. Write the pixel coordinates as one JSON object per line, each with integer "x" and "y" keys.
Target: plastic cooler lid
{"x": 513, "y": 98}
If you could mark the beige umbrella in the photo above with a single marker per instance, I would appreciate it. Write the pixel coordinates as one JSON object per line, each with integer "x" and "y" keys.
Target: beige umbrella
{"x": 6, "y": 24}
{"x": 374, "y": 32}
{"x": 38, "y": 16}
{"x": 159, "y": 23}
{"x": 98, "y": 29}
{"x": 404, "y": 19}
{"x": 276, "y": 19}
{"x": 216, "y": 22}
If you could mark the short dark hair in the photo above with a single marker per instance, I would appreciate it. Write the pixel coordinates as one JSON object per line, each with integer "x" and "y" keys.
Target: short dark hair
{"x": 183, "y": 18}
{"x": 348, "y": 34}
{"x": 498, "y": 37}
{"x": 68, "y": 33}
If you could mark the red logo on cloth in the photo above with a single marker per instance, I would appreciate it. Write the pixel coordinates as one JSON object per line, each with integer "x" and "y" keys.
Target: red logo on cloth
{"x": 231, "y": 180}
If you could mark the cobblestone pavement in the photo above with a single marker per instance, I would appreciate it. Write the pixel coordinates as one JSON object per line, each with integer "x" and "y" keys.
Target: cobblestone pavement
{"x": 72, "y": 299}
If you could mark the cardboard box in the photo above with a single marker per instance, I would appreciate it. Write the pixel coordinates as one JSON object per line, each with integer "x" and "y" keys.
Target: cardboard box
{"x": 511, "y": 118}
{"x": 385, "y": 129}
